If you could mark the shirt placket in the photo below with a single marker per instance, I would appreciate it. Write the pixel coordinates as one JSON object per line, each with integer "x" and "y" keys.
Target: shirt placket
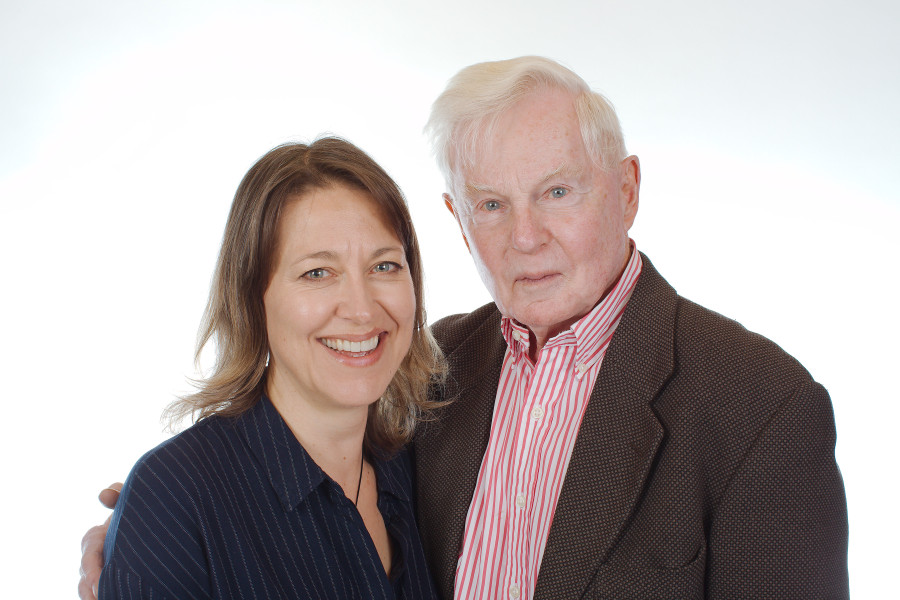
{"x": 515, "y": 497}
{"x": 526, "y": 463}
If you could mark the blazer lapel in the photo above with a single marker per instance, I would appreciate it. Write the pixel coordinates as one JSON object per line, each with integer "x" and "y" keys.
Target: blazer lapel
{"x": 449, "y": 450}
{"x": 616, "y": 444}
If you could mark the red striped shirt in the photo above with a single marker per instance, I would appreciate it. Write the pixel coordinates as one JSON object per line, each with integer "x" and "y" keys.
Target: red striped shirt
{"x": 537, "y": 415}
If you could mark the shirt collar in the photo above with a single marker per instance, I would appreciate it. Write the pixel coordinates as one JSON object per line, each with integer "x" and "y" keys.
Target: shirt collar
{"x": 292, "y": 472}
{"x": 590, "y": 333}
{"x": 394, "y": 476}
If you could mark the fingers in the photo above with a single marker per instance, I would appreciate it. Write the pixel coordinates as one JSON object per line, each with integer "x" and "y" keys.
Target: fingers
{"x": 84, "y": 591}
{"x": 92, "y": 547}
{"x": 91, "y": 561}
{"x": 110, "y": 495}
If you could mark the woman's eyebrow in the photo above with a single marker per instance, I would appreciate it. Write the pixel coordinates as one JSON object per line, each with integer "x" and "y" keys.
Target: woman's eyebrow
{"x": 387, "y": 250}
{"x": 331, "y": 255}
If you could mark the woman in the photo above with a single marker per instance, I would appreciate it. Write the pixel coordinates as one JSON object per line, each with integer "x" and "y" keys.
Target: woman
{"x": 293, "y": 483}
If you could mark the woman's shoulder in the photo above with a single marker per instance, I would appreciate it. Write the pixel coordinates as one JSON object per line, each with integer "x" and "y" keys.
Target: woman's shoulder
{"x": 179, "y": 479}
{"x": 156, "y": 536}
{"x": 189, "y": 454}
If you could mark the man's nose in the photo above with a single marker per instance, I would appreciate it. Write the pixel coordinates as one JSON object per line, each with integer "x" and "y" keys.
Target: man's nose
{"x": 528, "y": 229}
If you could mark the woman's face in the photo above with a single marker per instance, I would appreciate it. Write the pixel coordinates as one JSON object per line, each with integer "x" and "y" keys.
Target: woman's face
{"x": 340, "y": 305}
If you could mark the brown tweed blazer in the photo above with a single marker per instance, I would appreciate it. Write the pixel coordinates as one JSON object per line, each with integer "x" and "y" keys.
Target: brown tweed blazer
{"x": 704, "y": 466}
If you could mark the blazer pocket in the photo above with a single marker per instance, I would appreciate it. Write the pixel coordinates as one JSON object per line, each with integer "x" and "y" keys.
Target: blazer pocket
{"x": 682, "y": 583}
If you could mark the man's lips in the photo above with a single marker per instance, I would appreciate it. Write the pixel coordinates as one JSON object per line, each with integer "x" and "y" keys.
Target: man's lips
{"x": 536, "y": 278}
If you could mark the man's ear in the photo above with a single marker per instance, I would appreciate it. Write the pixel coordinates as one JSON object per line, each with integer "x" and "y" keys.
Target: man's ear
{"x": 448, "y": 202}
{"x": 630, "y": 170}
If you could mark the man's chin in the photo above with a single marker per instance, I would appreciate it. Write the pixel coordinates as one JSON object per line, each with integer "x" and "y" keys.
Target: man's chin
{"x": 550, "y": 314}
{"x": 539, "y": 318}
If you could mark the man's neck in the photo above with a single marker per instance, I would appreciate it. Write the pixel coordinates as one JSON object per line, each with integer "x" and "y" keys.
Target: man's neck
{"x": 539, "y": 336}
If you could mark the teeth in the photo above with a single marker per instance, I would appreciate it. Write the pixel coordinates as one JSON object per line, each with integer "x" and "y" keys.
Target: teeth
{"x": 348, "y": 346}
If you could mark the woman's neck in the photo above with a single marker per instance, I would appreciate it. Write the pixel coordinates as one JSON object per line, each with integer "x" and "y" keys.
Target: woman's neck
{"x": 332, "y": 436}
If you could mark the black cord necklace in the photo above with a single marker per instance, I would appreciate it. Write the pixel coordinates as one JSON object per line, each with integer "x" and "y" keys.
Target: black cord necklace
{"x": 359, "y": 483}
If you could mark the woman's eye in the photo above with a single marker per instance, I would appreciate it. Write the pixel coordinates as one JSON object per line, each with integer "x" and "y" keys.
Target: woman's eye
{"x": 558, "y": 192}
{"x": 386, "y": 267}
{"x": 315, "y": 274}
{"x": 491, "y": 205}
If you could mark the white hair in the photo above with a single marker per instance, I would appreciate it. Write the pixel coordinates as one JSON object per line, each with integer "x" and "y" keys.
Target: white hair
{"x": 464, "y": 115}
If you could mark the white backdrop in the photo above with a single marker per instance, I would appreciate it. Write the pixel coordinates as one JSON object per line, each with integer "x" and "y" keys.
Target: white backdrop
{"x": 767, "y": 134}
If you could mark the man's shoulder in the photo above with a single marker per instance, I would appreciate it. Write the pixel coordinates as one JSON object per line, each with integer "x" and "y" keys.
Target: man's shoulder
{"x": 728, "y": 383}
{"x": 703, "y": 338}
{"x": 706, "y": 337}
{"x": 452, "y": 331}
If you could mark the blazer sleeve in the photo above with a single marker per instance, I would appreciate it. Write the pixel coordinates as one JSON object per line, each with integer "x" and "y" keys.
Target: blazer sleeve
{"x": 780, "y": 529}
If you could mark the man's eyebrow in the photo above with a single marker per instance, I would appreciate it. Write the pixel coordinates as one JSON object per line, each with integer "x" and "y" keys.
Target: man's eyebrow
{"x": 472, "y": 188}
{"x": 565, "y": 170}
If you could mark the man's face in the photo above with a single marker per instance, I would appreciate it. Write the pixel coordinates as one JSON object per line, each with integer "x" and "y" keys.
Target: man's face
{"x": 548, "y": 229}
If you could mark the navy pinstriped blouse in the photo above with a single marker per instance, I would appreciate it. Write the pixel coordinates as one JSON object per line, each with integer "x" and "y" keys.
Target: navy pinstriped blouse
{"x": 236, "y": 508}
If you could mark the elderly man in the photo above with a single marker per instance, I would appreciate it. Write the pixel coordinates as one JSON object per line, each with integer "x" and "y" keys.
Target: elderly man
{"x": 607, "y": 438}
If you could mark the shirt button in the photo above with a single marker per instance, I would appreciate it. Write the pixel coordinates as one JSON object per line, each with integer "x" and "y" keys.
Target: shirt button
{"x": 537, "y": 413}
{"x": 513, "y": 591}
{"x": 516, "y": 335}
{"x": 520, "y": 501}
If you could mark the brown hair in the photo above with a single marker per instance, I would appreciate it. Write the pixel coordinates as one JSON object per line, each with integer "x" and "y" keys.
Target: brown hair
{"x": 235, "y": 316}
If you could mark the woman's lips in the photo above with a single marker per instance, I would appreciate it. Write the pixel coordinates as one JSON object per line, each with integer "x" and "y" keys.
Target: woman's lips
{"x": 355, "y": 353}
{"x": 344, "y": 345}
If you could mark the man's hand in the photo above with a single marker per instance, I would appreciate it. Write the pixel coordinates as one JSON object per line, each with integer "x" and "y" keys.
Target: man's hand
{"x": 92, "y": 548}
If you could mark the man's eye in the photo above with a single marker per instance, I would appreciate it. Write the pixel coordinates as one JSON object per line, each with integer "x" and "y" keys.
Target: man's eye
{"x": 558, "y": 192}
{"x": 386, "y": 267}
{"x": 315, "y": 274}
{"x": 491, "y": 205}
